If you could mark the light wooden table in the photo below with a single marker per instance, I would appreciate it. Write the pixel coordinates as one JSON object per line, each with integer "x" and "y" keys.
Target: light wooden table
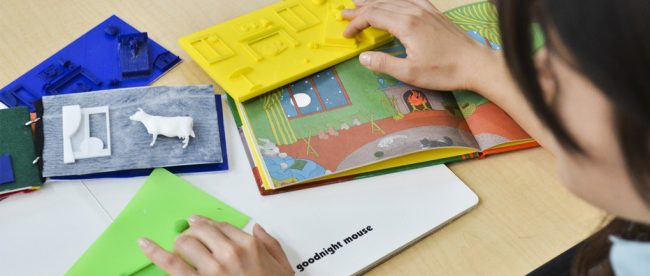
{"x": 525, "y": 216}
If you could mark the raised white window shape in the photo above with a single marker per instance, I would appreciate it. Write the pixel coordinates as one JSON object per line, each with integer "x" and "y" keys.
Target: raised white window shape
{"x": 77, "y": 140}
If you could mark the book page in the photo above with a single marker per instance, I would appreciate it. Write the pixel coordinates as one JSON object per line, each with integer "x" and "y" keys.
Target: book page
{"x": 489, "y": 124}
{"x": 346, "y": 117}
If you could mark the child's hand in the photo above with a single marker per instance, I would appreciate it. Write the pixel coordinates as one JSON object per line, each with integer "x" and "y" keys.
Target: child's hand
{"x": 216, "y": 248}
{"x": 439, "y": 55}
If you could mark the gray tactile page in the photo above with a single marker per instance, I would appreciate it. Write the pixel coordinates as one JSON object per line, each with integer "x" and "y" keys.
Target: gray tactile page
{"x": 129, "y": 139}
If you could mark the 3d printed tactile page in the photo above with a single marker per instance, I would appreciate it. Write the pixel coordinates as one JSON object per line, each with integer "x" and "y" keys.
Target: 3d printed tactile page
{"x": 128, "y": 140}
{"x": 281, "y": 43}
{"x": 111, "y": 55}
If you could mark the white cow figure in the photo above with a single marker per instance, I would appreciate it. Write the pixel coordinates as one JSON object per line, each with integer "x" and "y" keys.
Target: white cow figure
{"x": 178, "y": 126}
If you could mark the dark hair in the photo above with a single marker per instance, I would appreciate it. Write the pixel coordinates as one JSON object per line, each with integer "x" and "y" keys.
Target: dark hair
{"x": 609, "y": 44}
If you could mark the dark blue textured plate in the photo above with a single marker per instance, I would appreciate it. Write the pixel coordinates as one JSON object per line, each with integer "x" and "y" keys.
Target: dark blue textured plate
{"x": 90, "y": 63}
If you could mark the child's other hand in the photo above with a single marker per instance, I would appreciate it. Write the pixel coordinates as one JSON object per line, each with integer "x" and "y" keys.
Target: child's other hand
{"x": 440, "y": 56}
{"x": 216, "y": 248}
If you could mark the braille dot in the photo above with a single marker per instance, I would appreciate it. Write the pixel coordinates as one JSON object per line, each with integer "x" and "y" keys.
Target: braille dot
{"x": 181, "y": 225}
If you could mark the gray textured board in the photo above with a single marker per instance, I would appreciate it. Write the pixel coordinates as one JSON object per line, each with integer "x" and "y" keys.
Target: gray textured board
{"x": 129, "y": 139}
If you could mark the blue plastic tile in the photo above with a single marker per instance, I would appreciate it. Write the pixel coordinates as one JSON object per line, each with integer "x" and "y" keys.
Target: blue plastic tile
{"x": 134, "y": 55}
{"x": 166, "y": 60}
{"x": 92, "y": 62}
{"x": 6, "y": 169}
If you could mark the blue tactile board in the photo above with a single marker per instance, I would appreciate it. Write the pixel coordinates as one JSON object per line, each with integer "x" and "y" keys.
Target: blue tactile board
{"x": 176, "y": 170}
{"x": 92, "y": 62}
{"x": 6, "y": 169}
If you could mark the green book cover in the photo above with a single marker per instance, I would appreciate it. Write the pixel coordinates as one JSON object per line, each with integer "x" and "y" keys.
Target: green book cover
{"x": 17, "y": 141}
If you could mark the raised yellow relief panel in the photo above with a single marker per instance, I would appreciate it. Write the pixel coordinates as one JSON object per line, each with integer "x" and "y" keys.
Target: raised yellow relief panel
{"x": 276, "y": 45}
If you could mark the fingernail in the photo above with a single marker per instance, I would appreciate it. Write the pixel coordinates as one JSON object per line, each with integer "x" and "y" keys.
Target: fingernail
{"x": 260, "y": 227}
{"x": 194, "y": 219}
{"x": 143, "y": 243}
{"x": 358, "y": 2}
{"x": 364, "y": 58}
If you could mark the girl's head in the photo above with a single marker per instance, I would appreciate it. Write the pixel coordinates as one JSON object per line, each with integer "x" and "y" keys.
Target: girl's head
{"x": 591, "y": 87}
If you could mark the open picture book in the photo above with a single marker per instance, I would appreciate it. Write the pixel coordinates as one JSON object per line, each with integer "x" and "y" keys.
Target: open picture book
{"x": 347, "y": 122}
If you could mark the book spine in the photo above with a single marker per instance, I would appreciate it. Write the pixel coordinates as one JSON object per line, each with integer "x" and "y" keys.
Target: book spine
{"x": 469, "y": 156}
{"x": 238, "y": 122}
{"x": 488, "y": 152}
{"x": 39, "y": 137}
{"x": 412, "y": 166}
{"x": 233, "y": 109}
{"x": 358, "y": 176}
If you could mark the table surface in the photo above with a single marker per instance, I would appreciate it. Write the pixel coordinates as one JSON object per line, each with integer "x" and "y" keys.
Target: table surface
{"x": 525, "y": 216}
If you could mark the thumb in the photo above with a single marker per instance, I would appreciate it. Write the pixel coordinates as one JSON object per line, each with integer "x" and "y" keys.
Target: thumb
{"x": 384, "y": 63}
{"x": 271, "y": 244}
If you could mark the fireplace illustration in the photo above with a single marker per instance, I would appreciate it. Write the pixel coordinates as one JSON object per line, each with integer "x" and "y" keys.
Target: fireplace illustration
{"x": 407, "y": 99}
{"x": 416, "y": 100}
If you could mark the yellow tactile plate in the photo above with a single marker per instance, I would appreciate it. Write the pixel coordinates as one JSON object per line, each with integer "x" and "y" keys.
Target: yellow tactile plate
{"x": 276, "y": 45}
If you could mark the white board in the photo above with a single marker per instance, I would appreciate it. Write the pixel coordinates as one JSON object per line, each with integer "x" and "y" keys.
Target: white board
{"x": 399, "y": 207}
{"x": 394, "y": 210}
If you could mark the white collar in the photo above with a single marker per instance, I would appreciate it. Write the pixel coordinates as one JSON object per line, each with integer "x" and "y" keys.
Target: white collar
{"x": 629, "y": 257}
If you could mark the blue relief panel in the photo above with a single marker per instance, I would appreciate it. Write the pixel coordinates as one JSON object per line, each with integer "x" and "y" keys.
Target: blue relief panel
{"x": 94, "y": 61}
